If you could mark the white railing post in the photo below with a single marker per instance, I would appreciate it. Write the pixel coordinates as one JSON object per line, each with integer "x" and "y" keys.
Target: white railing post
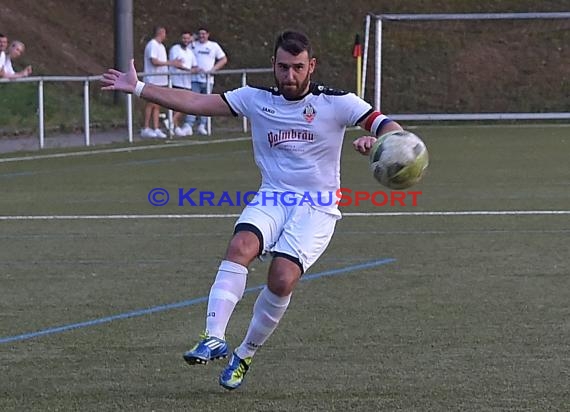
{"x": 208, "y": 91}
{"x": 170, "y": 116}
{"x": 130, "y": 117}
{"x": 378, "y": 81}
{"x": 86, "y": 112}
{"x": 365, "y": 56}
{"x": 244, "y": 83}
{"x": 41, "y": 113}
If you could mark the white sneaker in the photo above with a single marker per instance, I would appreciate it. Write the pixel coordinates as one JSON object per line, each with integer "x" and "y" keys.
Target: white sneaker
{"x": 178, "y": 131}
{"x": 147, "y": 132}
{"x": 158, "y": 133}
{"x": 187, "y": 129}
{"x": 202, "y": 130}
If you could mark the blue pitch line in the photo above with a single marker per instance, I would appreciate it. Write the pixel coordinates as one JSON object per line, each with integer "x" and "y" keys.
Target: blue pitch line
{"x": 181, "y": 304}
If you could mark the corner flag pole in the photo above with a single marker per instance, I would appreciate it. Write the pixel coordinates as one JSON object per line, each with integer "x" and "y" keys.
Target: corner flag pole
{"x": 357, "y": 54}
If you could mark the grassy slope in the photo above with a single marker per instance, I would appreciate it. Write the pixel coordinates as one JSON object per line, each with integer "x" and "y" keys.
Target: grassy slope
{"x": 429, "y": 66}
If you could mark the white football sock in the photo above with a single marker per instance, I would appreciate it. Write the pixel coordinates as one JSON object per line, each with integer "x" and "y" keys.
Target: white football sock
{"x": 225, "y": 293}
{"x": 267, "y": 312}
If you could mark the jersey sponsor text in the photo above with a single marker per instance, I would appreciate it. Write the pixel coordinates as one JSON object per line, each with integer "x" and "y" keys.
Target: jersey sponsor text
{"x": 282, "y": 136}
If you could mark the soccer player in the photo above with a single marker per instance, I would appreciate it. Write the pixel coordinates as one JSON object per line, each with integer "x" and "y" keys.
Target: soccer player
{"x": 297, "y": 133}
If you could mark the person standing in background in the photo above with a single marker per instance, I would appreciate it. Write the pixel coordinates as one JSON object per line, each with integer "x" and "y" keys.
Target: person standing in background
{"x": 210, "y": 58}
{"x": 183, "y": 80}
{"x": 156, "y": 63}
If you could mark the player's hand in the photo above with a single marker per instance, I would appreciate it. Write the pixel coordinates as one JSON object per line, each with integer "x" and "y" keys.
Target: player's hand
{"x": 364, "y": 144}
{"x": 123, "y": 82}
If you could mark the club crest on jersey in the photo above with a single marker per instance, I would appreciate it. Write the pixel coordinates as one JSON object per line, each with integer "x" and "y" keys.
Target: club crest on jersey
{"x": 309, "y": 113}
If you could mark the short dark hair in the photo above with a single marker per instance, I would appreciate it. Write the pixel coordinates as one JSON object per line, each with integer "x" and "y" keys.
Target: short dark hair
{"x": 293, "y": 42}
{"x": 156, "y": 29}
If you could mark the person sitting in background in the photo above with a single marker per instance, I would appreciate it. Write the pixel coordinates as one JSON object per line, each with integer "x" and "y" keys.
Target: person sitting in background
{"x": 15, "y": 51}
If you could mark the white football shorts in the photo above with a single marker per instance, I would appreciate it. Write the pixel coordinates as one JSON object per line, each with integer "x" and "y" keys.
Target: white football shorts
{"x": 300, "y": 231}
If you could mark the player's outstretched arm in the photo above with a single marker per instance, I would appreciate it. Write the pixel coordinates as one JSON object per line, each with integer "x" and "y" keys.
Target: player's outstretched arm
{"x": 176, "y": 99}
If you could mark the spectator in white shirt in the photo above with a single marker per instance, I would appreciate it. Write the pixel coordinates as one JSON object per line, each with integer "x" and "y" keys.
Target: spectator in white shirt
{"x": 3, "y": 48}
{"x": 210, "y": 58}
{"x": 15, "y": 51}
{"x": 182, "y": 78}
{"x": 155, "y": 64}
{"x": 3, "y": 43}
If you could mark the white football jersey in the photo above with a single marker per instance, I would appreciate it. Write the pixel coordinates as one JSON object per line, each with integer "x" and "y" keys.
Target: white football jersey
{"x": 297, "y": 143}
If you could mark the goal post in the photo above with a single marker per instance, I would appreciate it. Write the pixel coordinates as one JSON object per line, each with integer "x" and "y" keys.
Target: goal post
{"x": 465, "y": 40}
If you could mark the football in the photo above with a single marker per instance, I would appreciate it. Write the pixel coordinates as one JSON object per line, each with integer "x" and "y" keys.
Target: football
{"x": 398, "y": 159}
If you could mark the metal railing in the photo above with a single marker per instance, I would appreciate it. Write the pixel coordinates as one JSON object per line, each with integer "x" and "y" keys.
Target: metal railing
{"x": 87, "y": 80}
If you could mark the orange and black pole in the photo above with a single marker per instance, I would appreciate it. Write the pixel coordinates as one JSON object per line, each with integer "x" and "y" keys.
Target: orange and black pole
{"x": 357, "y": 54}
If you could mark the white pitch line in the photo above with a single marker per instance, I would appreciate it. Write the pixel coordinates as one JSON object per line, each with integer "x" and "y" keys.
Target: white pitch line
{"x": 120, "y": 150}
{"x": 348, "y": 214}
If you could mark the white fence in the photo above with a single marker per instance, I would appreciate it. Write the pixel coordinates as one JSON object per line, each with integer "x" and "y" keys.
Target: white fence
{"x": 87, "y": 80}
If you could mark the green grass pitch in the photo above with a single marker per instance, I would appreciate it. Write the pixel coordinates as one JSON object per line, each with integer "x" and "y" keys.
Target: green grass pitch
{"x": 472, "y": 314}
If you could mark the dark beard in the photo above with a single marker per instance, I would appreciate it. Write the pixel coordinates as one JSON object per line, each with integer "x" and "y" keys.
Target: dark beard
{"x": 301, "y": 90}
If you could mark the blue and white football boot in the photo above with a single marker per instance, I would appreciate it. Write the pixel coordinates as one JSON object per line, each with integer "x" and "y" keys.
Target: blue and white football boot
{"x": 209, "y": 348}
{"x": 232, "y": 376}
